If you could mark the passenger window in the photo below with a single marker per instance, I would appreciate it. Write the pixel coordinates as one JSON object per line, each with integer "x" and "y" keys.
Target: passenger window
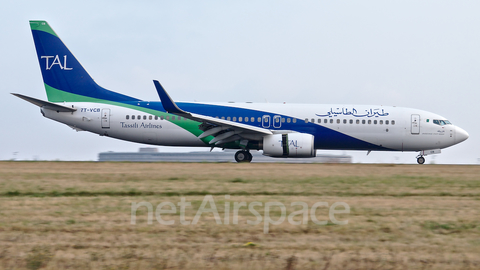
{"x": 358, "y": 121}
{"x": 259, "y": 119}
{"x": 133, "y": 117}
{"x": 139, "y": 117}
{"x": 150, "y": 117}
{"x": 283, "y": 120}
{"x": 173, "y": 117}
{"x": 344, "y": 121}
{"x": 167, "y": 117}
{"x": 240, "y": 119}
{"x": 319, "y": 121}
{"x": 331, "y": 121}
{"x": 223, "y": 117}
{"x": 338, "y": 121}
{"x": 306, "y": 120}
{"x": 161, "y": 117}
{"x": 381, "y": 122}
{"x": 234, "y": 119}
{"x": 351, "y": 121}
{"x": 386, "y": 122}
{"x": 393, "y": 122}
{"x": 313, "y": 120}
{"x": 369, "y": 122}
{"x": 375, "y": 122}
{"x": 294, "y": 120}
{"x": 228, "y": 118}
{"x": 325, "y": 121}
{"x": 363, "y": 122}
{"x": 144, "y": 117}
{"x": 246, "y": 119}
{"x": 288, "y": 120}
{"x": 156, "y": 117}
{"x": 128, "y": 116}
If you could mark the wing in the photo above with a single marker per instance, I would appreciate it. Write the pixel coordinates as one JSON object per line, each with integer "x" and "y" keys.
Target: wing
{"x": 223, "y": 131}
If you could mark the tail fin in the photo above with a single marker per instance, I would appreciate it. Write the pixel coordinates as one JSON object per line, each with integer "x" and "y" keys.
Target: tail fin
{"x": 64, "y": 77}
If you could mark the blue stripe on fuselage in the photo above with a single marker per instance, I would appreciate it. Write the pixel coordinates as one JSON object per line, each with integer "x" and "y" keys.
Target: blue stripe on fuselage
{"x": 325, "y": 138}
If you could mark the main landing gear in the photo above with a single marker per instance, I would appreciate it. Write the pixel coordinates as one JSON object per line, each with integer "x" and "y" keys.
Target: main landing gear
{"x": 420, "y": 159}
{"x": 243, "y": 156}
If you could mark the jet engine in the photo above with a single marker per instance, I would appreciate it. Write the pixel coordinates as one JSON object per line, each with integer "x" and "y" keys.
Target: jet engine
{"x": 296, "y": 145}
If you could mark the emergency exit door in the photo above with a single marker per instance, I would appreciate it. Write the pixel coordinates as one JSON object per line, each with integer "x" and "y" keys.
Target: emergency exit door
{"x": 266, "y": 121}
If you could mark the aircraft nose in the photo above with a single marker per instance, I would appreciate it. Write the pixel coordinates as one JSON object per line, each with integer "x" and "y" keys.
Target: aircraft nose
{"x": 460, "y": 135}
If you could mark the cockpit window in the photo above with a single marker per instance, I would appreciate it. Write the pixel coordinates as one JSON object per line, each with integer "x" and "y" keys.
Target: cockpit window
{"x": 441, "y": 122}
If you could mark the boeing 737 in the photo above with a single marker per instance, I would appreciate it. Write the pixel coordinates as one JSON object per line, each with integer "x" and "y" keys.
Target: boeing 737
{"x": 279, "y": 130}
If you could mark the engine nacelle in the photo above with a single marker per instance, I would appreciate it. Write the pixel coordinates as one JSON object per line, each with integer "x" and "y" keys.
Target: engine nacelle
{"x": 299, "y": 145}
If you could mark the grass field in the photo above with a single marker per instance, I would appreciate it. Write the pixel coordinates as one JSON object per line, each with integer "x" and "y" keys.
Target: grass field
{"x": 77, "y": 215}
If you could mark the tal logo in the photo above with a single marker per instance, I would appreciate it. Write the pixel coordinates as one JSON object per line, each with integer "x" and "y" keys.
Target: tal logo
{"x": 56, "y": 61}
{"x": 294, "y": 143}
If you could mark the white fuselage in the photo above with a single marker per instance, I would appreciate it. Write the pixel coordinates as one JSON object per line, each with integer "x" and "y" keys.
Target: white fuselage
{"x": 349, "y": 127}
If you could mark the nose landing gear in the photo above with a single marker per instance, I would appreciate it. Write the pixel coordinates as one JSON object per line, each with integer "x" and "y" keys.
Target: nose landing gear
{"x": 420, "y": 157}
{"x": 243, "y": 156}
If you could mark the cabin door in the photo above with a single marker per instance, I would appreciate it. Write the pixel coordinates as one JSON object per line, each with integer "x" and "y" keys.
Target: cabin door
{"x": 105, "y": 118}
{"x": 415, "y": 124}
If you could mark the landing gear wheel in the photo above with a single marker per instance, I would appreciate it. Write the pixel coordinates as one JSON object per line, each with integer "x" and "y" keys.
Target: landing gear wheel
{"x": 243, "y": 156}
{"x": 249, "y": 156}
{"x": 421, "y": 160}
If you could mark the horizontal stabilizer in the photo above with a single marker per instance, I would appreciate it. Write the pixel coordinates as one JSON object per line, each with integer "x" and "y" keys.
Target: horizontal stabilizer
{"x": 46, "y": 104}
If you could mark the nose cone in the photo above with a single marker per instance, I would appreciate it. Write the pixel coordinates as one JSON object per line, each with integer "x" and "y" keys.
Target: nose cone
{"x": 460, "y": 135}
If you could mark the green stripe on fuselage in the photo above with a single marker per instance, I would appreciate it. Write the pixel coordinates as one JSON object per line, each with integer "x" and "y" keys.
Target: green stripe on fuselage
{"x": 55, "y": 95}
{"x": 42, "y": 26}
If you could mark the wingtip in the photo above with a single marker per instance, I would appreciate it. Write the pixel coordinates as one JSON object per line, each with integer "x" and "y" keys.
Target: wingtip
{"x": 158, "y": 86}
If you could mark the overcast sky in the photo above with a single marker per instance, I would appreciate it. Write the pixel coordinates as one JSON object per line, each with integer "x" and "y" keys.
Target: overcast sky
{"x": 419, "y": 54}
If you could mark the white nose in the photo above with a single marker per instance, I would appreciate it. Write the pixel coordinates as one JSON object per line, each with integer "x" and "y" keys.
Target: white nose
{"x": 460, "y": 135}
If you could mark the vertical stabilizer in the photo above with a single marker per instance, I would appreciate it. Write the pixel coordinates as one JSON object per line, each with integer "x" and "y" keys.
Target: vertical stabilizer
{"x": 64, "y": 77}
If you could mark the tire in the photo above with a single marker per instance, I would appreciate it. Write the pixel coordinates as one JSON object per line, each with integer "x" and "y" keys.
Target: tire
{"x": 421, "y": 160}
{"x": 243, "y": 156}
{"x": 250, "y": 157}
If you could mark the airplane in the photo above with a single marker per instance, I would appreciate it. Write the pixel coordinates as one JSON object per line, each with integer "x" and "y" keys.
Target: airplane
{"x": 279, "y": 130}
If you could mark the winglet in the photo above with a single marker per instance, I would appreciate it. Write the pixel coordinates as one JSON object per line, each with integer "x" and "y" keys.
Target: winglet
{"x": 167, "y": 102}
